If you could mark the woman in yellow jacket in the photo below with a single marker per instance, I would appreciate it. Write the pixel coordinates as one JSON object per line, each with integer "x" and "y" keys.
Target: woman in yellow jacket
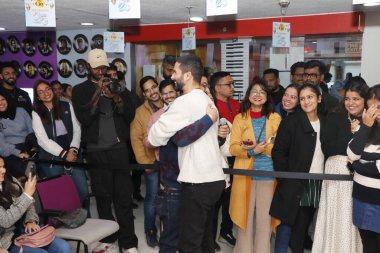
{"x": 252, "y": 135}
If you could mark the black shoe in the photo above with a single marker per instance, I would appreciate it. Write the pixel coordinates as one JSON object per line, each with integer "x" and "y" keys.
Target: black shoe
{"x": 217, "y": 247}
{"x": 228, "y": 239}
{"x": 151, "y": 239}
{"x": 137, "y": 196}
{"x": 134, "y": 205}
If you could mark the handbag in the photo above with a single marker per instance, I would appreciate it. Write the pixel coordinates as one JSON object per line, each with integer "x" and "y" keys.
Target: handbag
{"x": 71, "y": 220}
{"x": 37, "y": 239}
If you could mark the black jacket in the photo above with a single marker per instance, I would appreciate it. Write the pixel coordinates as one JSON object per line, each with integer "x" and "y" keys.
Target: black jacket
{"x": 88, "y": 116}
{"x": 293, "y": 151}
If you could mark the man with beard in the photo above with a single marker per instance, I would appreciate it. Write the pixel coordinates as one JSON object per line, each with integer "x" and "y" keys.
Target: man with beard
{"x": 201, "y": 173}
{"x": 153, "y": 103}
{"x": 167, "y": 66}
{"x": 296, "y": 73}
{"x": 104, "y": 118}
{"x": 9, "y": 77}
{"x": 272, "y": 78}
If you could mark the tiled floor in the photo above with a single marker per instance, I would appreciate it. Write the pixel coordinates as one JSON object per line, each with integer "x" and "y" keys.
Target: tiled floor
{"x": 139, "y": 229}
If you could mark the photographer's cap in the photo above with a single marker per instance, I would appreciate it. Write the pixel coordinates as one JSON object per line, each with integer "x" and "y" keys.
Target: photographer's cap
{"x": 97, "y": 57}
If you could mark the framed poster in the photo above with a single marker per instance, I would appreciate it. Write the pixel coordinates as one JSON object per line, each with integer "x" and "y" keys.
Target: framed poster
{"x": 28, "y": 47}
{"x": 30, "y": 69}
{"x": 64, "y": 45}
{"x": 17, "y": 68}
{"x": 80, "y": 68}
{"x": 120, "y": 65}
{"x": 44, "y": 46}
{"x": 2, "y": 46}
{"x": 80, "y": 43}
{"x": 13, "y": 44}
{"x": 45, "y": 69}
{"x": 97, "y": 41}
{"x": 65, "y": 69}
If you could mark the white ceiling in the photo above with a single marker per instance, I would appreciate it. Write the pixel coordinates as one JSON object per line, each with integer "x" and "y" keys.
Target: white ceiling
{"x": 70, "y": 13}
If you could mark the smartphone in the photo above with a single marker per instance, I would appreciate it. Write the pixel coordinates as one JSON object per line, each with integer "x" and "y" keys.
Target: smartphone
{"x": 248, "y": 142}
{"x": 33, "y": 170}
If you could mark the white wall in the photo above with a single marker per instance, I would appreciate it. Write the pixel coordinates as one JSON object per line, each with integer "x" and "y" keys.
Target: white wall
{"x": 370, "y": 49}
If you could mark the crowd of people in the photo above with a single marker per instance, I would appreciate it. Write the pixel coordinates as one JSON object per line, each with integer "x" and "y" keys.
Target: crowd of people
{"x": 190, "y": 127}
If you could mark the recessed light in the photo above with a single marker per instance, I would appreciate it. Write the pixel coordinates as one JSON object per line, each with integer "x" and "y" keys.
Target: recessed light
{"x": 371, "y": 4}
{"x": 2, "y": 29}
{"x": 87, "y": 24}
{"x": 196, "y": 19}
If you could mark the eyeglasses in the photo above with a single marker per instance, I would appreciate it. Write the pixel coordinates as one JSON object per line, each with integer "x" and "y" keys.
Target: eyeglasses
{"x": 169, "y": 93}
{"x": 151, "y": 89}
{"x": 230, "y": 84}
{"x": 41, "y": 92}
{"x": 257, "y": 93}
{"x": 311, "y": 75}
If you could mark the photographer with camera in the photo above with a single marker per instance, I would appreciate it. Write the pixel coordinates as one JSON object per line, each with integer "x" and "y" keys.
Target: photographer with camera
{"x": 105, "y": 112}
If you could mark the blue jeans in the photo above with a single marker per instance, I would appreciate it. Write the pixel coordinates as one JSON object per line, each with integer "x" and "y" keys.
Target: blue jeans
{"x": 168, "y": 209}
{"x": 283, "y": 234}
{"x": 58, "y": 245}
{"x": 151, "y": 180}
{"x": 78, "y": 175}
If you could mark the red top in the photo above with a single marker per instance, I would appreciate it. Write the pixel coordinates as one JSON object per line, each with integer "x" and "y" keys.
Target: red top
{"x": 255, "y": 115}
{"x": 228, "y": 112}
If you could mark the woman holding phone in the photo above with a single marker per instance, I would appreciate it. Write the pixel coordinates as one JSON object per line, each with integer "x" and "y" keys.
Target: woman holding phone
{"x": 297, "y": 149}
{"x": 17, "y": 204}
{"x": 250, "y": 143}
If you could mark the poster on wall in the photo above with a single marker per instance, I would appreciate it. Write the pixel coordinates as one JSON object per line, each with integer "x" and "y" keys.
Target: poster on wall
{"x": 65, "y": 69}
{"x": 124, "y": 9}
{"x": 13, "y": 44}
{"x": 97, "y": 41}
{"x": 44, "y": 46}
{"x": 64, "y": 44}
{"x": 17, "y": 67}
{"x": 80, "y": 43}
{"x": 120, "y": 65}
{"x": 221, "y": 7}
{"x": 2, "y": 46}
{"x": 188, "y": 38}
{"x": 30, "y": 69}
{"x": 40, "y": 13}
{"x": 28, "y": 47}
{"x": 281, "y": 34}
{"x": 45, "y": 69}
{"x": 80, "y": 68}
{"x": 113, "y": 42}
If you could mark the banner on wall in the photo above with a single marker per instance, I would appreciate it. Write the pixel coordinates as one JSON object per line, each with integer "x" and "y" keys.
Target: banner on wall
{"x": 124, "y": 9}
{"x": 188, "y": 38}
{"x": 221, "y": 7}
{"x": 281, "y": 34}
{"x": 113, "y": 42}
{"x": 40, "y": 13}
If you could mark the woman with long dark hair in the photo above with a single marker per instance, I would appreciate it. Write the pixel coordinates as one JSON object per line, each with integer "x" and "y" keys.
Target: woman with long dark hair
{"x": 251, "y": 143}
{"x": 58, "y": 134}
{"x": 297, "y": 149}
{"x": 289, "y": 101}
{"x": 15, "y": 126}
{"x": 17, "y": 204}
{"x": 364, "y": 153}
{"x": 334, "y": 229}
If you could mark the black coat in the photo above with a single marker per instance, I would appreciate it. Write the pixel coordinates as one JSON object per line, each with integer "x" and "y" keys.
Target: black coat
{"x": 292, "y": 152}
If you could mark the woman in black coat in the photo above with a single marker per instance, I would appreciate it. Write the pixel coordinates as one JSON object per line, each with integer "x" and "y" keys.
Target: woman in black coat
{"x": 297, "y": 149}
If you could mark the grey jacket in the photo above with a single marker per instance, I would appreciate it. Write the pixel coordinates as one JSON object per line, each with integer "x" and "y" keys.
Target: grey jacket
{"x": 21, "y": 205}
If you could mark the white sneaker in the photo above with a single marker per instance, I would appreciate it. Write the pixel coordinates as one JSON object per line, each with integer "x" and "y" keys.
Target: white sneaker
{"x": 131, "y": 250}
{"x": 114, "y": 248}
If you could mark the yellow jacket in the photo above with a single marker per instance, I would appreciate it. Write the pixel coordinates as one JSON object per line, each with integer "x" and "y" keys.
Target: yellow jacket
{"x": 240, "y": 193}
{"x": 138, "y": 131}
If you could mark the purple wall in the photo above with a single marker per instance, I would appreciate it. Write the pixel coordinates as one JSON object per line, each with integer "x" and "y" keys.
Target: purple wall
{"x": 23, "y": 81}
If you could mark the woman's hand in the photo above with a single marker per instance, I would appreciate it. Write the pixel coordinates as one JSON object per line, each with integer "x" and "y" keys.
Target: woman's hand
{"x": 30, "y": 185}
{"x": 259, "y": 148}
{"x": 248, "y": 147}
{"x": 369, "y": 116}
{"x": 71, "y": 156}
{"x": 23, "y": 155}
{"x": 31, "y": 227}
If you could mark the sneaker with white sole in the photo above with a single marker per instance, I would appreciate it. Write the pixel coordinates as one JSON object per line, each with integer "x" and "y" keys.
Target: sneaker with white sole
{"x": 103, "y": 247}
{"x": 131, "y": 250}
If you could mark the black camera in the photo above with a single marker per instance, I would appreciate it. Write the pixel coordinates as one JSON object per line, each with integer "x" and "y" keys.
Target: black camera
{"x": 113, "y": 85}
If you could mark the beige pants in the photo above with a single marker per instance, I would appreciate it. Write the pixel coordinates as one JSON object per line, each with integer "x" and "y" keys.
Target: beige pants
{"x": 260, "y": 200}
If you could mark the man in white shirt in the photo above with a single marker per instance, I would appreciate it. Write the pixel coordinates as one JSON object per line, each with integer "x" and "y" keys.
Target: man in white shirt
{"x": 201, "y": 171}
